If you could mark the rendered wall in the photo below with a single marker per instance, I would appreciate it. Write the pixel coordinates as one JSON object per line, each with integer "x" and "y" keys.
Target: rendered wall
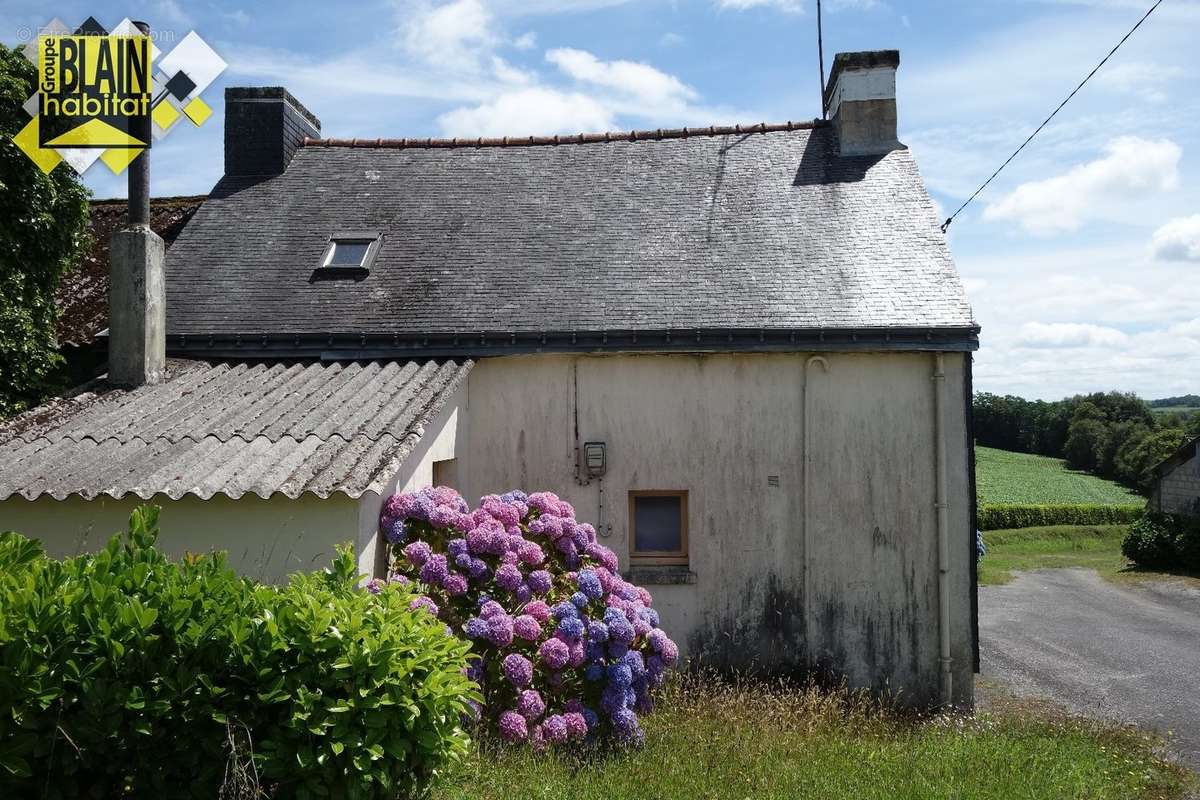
{"x": 265, "y": 539}
{"x": 720, "y": 426}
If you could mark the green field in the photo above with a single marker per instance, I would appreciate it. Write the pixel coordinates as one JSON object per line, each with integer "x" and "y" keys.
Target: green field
{"x": 1020, "y": 478}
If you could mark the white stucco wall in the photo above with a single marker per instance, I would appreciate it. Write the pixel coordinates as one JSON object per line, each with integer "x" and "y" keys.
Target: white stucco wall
{"x": 719, "y": 426}
{"x": 265, "y": 539}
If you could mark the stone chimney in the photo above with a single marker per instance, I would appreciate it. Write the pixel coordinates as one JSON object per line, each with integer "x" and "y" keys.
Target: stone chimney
{"x": 860, "y": 98}
{"x": 137, "y": 305}
{"x": 263, "y": 127}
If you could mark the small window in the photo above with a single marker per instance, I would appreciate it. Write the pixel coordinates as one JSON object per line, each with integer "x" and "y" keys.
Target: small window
{"x": 658, "y": 527}
{"x": 349, "y": 253}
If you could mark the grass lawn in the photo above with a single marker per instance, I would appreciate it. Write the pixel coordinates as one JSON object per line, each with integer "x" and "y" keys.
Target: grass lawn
{"x": 1003, "y": 477}
{"x": 711, "y": 740}
{"x": 1095, "y": 547}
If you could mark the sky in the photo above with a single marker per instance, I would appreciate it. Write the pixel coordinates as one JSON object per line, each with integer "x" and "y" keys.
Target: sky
{"x": 1082, "y": 259}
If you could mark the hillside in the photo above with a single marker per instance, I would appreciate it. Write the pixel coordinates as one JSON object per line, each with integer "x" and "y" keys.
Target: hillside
{"x": 1005, "y": 477}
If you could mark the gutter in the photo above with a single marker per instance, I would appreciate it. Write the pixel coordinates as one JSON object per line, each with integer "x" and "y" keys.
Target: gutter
{"x": 805, "y": 493}
{"x": 352, "y": 346}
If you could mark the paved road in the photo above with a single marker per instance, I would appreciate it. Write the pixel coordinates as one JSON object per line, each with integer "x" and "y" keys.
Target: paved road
{"x": 1128, "y": 653}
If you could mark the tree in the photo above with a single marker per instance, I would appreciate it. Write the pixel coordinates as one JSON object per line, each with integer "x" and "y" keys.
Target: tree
{"x": 1135, "y": 462}
{"x": 1085, "y": 443}
{"x": 43, "y": 234}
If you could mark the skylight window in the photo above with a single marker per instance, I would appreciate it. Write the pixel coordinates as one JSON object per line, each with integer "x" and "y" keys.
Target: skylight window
{"x": 349, "y": 253}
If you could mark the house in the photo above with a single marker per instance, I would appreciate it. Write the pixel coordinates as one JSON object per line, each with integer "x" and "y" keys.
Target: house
{"x": 742, "y": 352}
{"x": 1177, "y": 481}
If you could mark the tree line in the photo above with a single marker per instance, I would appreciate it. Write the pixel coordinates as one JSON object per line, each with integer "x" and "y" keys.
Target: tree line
{"x": 1115, "y": 435}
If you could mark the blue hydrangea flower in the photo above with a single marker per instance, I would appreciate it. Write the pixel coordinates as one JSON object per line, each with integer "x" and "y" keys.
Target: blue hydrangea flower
{"x": 571, "y": 628}
{"x": 476, "y": 628}
{"x": 594, "y": 672}
{"x": 564, "y": 610}
{"x": 579, "y": 600}
{"x": 589, "y": 584}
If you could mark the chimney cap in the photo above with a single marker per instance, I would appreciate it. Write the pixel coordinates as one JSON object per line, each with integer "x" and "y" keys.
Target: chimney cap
{"x": 270, "y": 93}
{"x": 864, "y": 59}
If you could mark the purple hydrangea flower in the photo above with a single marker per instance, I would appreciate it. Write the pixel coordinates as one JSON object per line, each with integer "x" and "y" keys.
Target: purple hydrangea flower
{"x": 540, "y": 581}
{"x": 490, "y": 608}
{"x": 571, "y": 628}
{"x": 597, "y": 632}
{"x": 512, "y": 727}
{"x": 500, "y": 630}
{"x": 589, "y": 583}
{"x": 530, "y": 705}
{"x": 538, "y": 610}
{"x": 396, "y": 531}
{"x": 375, "y": 586}
{"x": 476, "y": 628}
{"x": 518, "y": 669}
{"x": 417, "y": 553}
{"x": 435, "y": 570}
{"x": 554, "y": 653}
{"x": 508, "y": 577}
{"x": 577, "y": 726}
{"x": 531, "y": 553}
{"x": 456, "y": 548}
{"x": 425, "y": 603}
{"x": 527, "y": 627}
{"x": 455, "y": 584}
{"x": 555, "y": 729}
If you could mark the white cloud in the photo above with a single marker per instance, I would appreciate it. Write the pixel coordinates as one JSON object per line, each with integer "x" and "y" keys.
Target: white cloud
{"x": 453, "y": 36}
{"x": 1131, "y": 168}
{"x": 640, "y": 81}
{"x": 172, "y": 13}
{"x": 536, "y": 110}
{"x": 1069, "y": 334}
{"x": 790, "y": 6}
{"x": 1178, "y": 240}
{"x": 1144, "y": 78}
{"x": 671, "y": 39}
{"x": 526, "y": 41}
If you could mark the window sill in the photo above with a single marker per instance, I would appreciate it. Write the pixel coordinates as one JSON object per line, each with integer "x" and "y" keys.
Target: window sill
{"x": 660, "y": 575}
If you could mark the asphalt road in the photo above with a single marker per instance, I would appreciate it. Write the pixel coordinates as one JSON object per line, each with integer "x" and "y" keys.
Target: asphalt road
{"x": 1124, "y": 653}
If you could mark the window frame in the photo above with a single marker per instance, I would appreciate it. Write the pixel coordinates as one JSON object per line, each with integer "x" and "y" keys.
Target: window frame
{"x": 659, "y": 557}
{"x": 372, "y": 239}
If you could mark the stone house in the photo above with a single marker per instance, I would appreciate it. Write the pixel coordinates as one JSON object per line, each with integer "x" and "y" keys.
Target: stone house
{"x": 743, "y": 352}
{"x": 1177, "y": 481}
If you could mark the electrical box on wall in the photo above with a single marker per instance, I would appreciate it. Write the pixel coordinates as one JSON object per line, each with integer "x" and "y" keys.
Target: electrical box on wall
{"x": 595, "y": 461}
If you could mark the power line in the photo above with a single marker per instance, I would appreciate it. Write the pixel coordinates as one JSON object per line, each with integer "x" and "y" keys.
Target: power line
{"x": 967, "y": 202}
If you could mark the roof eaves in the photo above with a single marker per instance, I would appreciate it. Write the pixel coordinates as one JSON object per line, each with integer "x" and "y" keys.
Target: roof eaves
{"x": 466, "y": 344}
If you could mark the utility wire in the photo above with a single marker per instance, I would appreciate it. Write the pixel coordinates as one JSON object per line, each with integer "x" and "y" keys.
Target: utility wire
{"x": 967, "y": 202}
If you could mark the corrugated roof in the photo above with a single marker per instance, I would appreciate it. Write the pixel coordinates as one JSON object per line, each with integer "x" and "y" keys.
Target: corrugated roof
{"x": 768, "y": 230}
{"x": 229, "y": 429}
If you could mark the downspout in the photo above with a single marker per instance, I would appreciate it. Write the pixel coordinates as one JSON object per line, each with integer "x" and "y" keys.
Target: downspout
{"x": 805, "y": 493}
{"x": 946, "y": 682}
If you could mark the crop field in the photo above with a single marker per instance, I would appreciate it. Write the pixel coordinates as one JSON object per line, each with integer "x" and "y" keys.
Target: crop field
{"x": 1020, "y": 478}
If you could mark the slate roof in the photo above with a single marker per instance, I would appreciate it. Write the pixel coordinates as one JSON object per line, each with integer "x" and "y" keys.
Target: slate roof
{"x": 736, "y": 232}
{"x": 231, "y": 429}
{"x": 82, "y": 296}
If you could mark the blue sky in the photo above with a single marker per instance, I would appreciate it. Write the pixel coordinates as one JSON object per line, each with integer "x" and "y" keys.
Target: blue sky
{"x": 1082, "y": 260}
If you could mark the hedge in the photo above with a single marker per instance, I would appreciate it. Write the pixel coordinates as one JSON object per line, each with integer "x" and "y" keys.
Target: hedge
{"x": 127, "y": 674}
{"x": 1001, "y": 517}
{"x": 1164, "y": 541}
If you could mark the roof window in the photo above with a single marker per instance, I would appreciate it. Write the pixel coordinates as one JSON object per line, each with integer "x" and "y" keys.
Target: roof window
{"x": 348, "y": 254}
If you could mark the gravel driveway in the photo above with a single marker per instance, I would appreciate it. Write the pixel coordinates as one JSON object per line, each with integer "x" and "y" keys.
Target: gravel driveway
{"x": 1125, "y": 653}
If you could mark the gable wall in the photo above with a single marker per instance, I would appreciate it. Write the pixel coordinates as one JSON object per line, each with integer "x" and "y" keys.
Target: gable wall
{"x": 1179, "y": 490}
{"x": 718, "y": 426}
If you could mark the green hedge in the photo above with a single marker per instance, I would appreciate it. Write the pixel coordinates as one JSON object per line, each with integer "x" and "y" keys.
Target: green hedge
{"x": 1001, "y": 517}
{"x": 126, "y": 674}
{"x": 1164, "y": 541}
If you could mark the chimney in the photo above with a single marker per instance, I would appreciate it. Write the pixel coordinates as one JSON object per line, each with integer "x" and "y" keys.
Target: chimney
{"x": 137, "y": 322}
{"x": 263, "y": 127}
{"x": 860, "y": 98}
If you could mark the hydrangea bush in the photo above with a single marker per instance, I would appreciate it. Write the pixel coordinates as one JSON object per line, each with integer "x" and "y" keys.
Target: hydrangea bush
{"x": 563, "y": 648}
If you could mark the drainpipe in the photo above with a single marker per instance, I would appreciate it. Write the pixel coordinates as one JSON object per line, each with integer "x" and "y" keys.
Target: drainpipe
{"x": 805, "y": 493}
{"x": 946, "y": 682}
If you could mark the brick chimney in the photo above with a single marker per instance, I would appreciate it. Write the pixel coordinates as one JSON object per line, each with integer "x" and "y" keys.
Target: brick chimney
{"x": 860, "y": 98}
{"x": 263, "y": 127}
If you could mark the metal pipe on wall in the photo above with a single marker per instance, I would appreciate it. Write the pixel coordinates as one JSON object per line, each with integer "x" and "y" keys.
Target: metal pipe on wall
{"x": 805, "y": 539}
{"x": 945, "y": 664}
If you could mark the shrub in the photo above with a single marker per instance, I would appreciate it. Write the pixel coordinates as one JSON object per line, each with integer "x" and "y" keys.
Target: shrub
{"x": 126, "y": 673}
{"x": 564, "y": 648}
{"x": 1164, "y": 541}
{"x": 1000, "y": 517}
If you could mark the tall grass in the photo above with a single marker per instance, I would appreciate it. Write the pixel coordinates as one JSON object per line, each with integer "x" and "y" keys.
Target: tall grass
{"x": 746, "y": 739}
